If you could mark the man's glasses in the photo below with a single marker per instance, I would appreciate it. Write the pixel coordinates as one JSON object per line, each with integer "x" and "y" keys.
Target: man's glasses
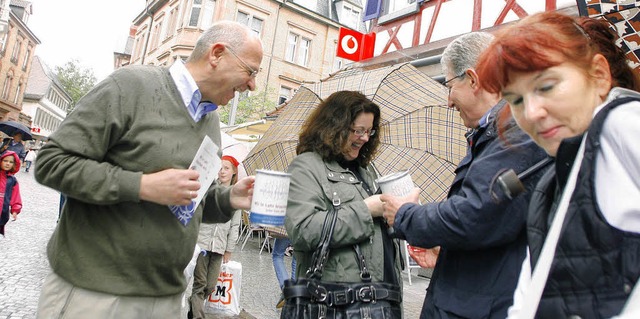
{"x": 252, "y": 73}
{"x": 361, "y": 133}
{"x": 453, "y": 78}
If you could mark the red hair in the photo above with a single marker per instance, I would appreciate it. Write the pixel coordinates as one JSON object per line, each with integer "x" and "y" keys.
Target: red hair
{"x": 548, "y": 39}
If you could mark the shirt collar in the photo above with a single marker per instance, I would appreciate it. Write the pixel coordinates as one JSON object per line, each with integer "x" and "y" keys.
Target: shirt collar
{"x": 615, "y": 93}
{"x": 484, "y": 120}
{"x": 189, "y": 92}
{"x": 184, "y": 81}
{"x": 482, "y": 123}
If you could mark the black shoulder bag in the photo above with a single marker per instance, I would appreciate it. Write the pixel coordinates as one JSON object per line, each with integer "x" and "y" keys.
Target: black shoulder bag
{"x": 312, "y": 298}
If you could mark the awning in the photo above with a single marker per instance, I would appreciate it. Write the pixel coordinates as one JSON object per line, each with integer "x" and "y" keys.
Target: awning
{"x": 251, "y": 131}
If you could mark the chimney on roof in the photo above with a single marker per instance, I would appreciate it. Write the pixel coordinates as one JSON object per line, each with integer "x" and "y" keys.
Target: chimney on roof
{"x": 132, "y": 31}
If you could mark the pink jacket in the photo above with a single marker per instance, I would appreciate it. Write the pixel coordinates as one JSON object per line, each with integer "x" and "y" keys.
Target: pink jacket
{"x": 15, "y": 202}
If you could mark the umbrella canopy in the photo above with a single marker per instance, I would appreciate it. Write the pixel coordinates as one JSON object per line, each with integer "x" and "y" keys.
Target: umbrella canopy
{"x": 11, "y": 128}
{"x": 418, "y": 132}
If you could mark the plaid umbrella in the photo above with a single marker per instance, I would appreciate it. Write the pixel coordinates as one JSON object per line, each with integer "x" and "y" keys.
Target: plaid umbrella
{"x": 419, "y": 133}
{"x": 624, "y": 17}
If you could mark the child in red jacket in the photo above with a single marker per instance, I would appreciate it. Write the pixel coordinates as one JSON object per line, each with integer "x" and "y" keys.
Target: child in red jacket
{"x": 9, "y": 188}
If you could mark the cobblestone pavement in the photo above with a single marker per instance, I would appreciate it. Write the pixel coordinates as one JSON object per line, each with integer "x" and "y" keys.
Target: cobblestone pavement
{"x": 23, "y": 263}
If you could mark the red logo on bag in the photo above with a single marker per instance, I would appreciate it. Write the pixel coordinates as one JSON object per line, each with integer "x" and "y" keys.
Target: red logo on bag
{"x": 354, "y": 45}
{"x": 222, "y": 291}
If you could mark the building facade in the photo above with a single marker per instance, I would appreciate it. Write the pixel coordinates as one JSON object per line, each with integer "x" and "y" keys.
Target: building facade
{"x": 418, "y": 31}
{"x": 17, "y": 46}
{"x": 45, "y": 101}
{"x": 299, "y": 37}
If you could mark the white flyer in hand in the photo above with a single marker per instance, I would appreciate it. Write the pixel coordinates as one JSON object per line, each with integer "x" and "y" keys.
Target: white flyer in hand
{"x": 207, "y": 164}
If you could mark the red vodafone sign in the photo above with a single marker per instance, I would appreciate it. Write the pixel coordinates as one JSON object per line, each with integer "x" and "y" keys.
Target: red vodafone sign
{"x": 354, "y": 45}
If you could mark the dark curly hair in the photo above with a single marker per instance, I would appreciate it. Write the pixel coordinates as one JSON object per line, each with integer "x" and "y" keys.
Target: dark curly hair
{"x": 326, "y": 130}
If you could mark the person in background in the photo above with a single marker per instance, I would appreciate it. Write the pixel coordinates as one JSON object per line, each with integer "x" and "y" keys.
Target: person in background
{"x": 481, "y": 233}
{"x": 14, "y": 144}
{"x": 29, "y": 159}
{"x": 334, "y": 155}
{"x": 10, "y": 196}
{"x": 217, "y": 242}
{"x": 565, "y": 78}
{"x": 280, "y": 246}
{"x": 121, "y": 158}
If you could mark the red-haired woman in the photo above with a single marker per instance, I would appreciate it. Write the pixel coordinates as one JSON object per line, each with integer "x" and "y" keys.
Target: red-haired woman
{"x": 565, "y": 79}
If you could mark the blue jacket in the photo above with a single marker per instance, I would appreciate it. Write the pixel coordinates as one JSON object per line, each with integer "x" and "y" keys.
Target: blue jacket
{"x": 18, "y": 148}
{"x": 482, "y": 236}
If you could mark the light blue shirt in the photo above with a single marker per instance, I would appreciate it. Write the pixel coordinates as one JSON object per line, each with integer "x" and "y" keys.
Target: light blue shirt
{"x": 189, "y": 92}
{"x": 484, "y": 121}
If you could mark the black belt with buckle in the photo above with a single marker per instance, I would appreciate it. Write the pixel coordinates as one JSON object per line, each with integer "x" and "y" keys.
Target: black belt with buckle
{"x": 343, "y": 293}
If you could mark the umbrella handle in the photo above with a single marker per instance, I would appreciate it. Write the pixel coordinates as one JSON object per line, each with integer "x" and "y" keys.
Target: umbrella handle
{"x": 511, "y": 183}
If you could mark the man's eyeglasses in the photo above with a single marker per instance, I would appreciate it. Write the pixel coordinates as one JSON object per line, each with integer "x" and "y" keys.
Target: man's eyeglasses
{"x": 361, "y": 133}
{"x": 252, "y": 73}
{"x": 453, "y": 78}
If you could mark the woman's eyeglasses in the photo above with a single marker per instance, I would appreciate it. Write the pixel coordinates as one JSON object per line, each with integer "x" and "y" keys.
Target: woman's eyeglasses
{"x": 361, "y": 133}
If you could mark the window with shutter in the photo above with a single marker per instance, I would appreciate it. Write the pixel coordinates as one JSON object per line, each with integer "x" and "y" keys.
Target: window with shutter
{"x": 372, "y": 10}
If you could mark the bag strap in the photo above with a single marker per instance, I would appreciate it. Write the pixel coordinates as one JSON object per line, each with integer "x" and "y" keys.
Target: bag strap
{"x": 322, "y": 251}
{"x": 321, "y": 254}
{"x": 364, "y": 271}
{"x": 540, "y": 274}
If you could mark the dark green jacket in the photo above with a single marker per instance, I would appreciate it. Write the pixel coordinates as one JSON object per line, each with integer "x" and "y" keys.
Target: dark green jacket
{"x": 312, "y": 183}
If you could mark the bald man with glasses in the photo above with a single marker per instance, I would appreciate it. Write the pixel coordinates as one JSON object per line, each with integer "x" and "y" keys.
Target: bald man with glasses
{"x": 122, "y": 158}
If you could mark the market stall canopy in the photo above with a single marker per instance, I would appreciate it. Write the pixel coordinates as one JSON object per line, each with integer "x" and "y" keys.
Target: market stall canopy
{"x": 251, "y": 131}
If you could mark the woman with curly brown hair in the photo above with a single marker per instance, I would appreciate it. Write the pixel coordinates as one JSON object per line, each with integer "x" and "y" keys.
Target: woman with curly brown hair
{"x": 335, "y": 151}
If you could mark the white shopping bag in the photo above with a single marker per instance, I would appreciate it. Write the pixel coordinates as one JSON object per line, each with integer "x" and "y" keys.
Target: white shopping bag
{"x": 225, "y": 298}
{"x": 188, "y": 274}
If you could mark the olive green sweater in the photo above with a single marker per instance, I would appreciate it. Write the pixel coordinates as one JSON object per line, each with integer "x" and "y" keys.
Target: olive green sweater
{"x": 107, "y": 239}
